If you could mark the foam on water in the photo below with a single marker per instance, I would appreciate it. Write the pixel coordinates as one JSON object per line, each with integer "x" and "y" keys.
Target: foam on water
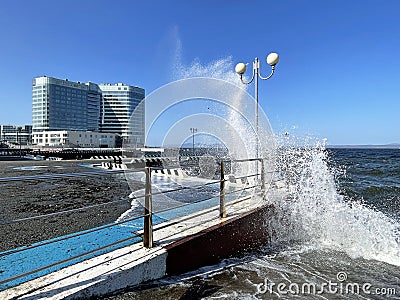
{"x": 313, "y": 211}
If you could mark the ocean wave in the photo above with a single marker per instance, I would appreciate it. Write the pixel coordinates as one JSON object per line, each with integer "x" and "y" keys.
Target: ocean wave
{"x": 314, "y": 210}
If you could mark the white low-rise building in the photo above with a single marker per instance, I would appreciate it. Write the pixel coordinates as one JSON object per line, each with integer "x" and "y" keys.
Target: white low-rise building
{"x": 72, "y": 138}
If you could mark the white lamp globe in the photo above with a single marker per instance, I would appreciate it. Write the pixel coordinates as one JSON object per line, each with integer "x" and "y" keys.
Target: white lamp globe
{"x": 272, "y": 59}
{"x": 240, "y": 68}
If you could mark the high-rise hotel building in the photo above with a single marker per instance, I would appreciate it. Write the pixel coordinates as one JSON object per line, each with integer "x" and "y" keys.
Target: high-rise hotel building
{"x": 65, "y": 105}
{"x": 118, "y": 105}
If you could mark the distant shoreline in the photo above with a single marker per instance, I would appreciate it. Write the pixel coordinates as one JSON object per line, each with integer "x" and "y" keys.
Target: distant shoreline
{"x": 390, "y": 146}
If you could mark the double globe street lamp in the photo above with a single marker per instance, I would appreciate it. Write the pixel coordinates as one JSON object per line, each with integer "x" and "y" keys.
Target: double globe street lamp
{"x": 240, "y": 69}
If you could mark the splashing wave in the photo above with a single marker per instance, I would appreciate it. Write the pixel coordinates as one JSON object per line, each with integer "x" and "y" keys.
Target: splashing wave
{"x": 313, "y": 211}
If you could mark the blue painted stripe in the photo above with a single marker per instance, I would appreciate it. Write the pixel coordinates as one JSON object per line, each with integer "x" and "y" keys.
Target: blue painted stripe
{"x": 17, "y": 263}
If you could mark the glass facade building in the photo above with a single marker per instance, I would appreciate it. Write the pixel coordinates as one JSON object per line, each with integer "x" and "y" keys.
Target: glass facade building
{"x": 119, "y": 102}
{"x": 64, "y": 105}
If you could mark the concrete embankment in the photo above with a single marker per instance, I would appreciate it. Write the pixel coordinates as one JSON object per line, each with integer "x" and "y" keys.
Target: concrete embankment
{"x": 181, "y": 245}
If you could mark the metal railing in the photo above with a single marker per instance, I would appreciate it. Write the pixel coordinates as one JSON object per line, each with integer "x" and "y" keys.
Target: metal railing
{"x": 148, "y": 226}
{"x": 148, "y": 230}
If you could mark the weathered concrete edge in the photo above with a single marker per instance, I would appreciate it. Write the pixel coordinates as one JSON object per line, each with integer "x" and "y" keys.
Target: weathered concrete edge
{"x": 242, "y": 233}
{"x": 109, "y": 272}
{"x": 146, "y": 270}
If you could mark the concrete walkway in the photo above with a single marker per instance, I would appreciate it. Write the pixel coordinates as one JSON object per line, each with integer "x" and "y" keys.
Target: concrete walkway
{"x": 133, "y": 264}
{"x": 14, "y": 262}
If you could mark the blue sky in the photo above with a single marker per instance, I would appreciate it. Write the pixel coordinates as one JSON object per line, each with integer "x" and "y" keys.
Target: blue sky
{"x": 338, "y": 78}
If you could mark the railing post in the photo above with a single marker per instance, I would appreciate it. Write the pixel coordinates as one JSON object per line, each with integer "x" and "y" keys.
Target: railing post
{"x": 222, "y": 209}
{"x": 262, "y": 177}
{"x": 148, "y": 220}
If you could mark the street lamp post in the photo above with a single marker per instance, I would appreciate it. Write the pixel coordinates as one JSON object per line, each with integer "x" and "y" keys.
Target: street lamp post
{"x": 272, "y": 60}
{"x": 193, "y": 131}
